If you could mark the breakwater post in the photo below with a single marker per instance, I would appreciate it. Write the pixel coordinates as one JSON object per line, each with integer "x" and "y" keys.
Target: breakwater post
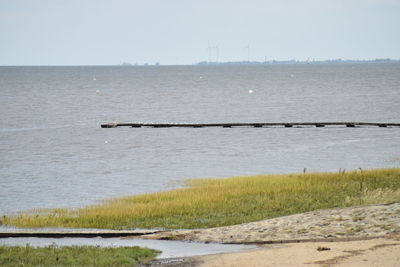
{"x": 255, "y": 125}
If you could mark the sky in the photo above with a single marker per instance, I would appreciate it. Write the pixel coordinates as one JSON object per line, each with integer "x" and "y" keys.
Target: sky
{"x": 105, "y": 32}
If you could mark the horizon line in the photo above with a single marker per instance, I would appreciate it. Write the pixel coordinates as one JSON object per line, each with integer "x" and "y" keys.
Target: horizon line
{"x": 204, "y": 63}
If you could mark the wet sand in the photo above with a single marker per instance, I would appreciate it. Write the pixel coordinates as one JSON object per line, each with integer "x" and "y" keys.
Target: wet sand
{"x": 383, "y": 252}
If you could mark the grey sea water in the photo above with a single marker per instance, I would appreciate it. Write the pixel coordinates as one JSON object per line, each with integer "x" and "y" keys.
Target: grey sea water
{"x": 53, "y": 152}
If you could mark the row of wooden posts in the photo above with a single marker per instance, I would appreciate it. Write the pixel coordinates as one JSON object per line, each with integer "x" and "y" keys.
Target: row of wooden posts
{"x": 255, "y": 124}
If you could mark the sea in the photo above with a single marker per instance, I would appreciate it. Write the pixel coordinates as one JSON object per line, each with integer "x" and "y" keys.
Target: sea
{"x": 53, "y": 152}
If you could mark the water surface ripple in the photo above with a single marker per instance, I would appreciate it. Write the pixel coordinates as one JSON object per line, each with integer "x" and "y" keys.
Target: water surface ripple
{"x": 53, "y": 152}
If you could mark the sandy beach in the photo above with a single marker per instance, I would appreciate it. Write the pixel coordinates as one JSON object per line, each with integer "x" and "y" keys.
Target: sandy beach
{"x": 356, "y": 236}
{"x": 375, "y": 252}
{"x": 382, "y": 252}
{"x": 341, "y": 224}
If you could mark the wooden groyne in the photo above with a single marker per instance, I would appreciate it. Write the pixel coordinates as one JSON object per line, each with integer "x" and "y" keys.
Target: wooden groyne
{"x": 255, "y": 124}
{"x": 86, "y": 234}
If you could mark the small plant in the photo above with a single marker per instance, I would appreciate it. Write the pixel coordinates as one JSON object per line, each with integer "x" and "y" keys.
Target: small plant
{"x": 302, "y": 231}
{"x": 340, "y": 233}
{"x": 386, "y": 227}
{"x": 355, "y": 229}
{"x": 339, "y": 218}
{"x": 358, "y": 218}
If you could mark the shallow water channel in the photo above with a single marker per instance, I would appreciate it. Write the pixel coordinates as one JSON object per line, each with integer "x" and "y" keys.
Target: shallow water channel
{"x": 169, "y": 249}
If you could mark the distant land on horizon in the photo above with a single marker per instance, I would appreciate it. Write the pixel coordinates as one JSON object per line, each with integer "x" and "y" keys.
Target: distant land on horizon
{"x": 292, "y": 61}
{"x": 244, "y": 62}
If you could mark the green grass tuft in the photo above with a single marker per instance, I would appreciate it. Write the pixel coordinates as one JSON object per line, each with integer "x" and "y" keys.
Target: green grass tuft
{"x": 74, "y": 256}
{"x": 229, "y": 201}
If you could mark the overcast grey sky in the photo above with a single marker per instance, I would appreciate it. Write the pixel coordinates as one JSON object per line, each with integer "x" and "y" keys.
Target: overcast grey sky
{"x": 91, "y": 32}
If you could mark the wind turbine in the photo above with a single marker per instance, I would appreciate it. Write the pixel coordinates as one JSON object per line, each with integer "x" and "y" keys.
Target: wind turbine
{"x": 247, "y": 47}
{"x": 216, "y": 52}
{"x": 210, "y": 52}
{"x": 209, "y": 47}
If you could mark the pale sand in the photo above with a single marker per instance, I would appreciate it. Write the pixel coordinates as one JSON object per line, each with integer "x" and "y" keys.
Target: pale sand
{"x": 353, "y": 223}
{"x": 382, "y": 252}
{"x": 372, "y": 233}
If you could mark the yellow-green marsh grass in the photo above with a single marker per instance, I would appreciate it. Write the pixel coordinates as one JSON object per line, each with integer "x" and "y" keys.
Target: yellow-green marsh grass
{"x": 228, "y": 201}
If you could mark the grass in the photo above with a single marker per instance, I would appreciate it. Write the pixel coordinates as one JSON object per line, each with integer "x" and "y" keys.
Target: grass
{"x": 219, "y": 202}
{"x": 74, "y": 256}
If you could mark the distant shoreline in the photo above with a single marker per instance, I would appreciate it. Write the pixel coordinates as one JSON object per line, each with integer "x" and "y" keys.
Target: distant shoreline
{"x": 231, "y": 63}
{"x": 294, "y": 61}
